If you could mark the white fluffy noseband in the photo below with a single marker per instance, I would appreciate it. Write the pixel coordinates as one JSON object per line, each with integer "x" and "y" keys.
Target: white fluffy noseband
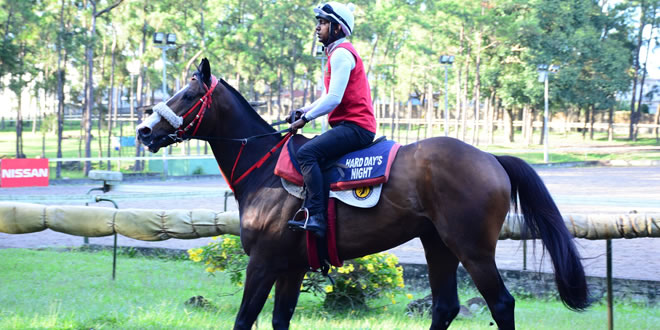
{"x": 164, "y": 111}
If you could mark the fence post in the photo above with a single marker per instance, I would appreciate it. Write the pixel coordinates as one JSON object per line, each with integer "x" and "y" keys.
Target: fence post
{"x": 610, "y": 307}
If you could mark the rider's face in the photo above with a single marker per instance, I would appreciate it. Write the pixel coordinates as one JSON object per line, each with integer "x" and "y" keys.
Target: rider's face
{"x": 323, "y": 30}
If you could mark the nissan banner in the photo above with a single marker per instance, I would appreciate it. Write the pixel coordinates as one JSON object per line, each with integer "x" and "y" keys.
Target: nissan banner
{"x": 24, "y": 172}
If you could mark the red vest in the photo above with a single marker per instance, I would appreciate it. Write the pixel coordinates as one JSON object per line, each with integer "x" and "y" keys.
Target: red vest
{"x": 355, "y": 106}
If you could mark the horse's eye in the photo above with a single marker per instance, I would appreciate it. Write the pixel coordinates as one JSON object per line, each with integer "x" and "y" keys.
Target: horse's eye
{"x": 188, "y": 96}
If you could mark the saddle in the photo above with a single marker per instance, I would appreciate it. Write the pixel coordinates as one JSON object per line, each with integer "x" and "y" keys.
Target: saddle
{"x": 355, "y": 179}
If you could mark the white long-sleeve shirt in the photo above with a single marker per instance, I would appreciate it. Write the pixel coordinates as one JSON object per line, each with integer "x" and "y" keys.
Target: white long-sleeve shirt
{"x": 341, "y": 62}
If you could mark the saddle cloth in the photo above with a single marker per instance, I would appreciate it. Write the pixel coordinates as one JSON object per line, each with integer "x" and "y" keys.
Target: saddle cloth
{"x": 355, "y": 178}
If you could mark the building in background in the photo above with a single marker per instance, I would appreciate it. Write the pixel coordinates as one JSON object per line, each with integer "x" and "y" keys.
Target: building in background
{"x": 650, "y": 97}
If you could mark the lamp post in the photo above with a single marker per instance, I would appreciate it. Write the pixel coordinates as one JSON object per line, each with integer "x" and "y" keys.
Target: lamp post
{"x": 544, "y": 71}
{"x": 133, "y": 68}
{"x": 446, "y": 61}
{"x": 164, "y": 41}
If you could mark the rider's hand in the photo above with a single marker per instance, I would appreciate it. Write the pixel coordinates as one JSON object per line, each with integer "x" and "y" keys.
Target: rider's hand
{"x": 297, "y": 125}
{"x": 294, "y": 115}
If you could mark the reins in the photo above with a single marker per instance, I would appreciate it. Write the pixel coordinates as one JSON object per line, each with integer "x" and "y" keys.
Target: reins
{"x": 258, "y": 163}
{"x": 181, "y": 135}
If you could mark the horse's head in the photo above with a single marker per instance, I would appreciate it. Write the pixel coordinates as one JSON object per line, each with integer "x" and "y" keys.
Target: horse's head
{"x": 179, "y": 117}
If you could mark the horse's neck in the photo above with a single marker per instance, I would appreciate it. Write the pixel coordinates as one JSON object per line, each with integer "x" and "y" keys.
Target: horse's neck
{"x": 251, "y": 154}
{"x": 227, "y": 152}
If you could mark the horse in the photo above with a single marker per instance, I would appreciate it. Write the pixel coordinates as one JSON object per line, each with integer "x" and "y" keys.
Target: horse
{"x": 450, "y": 195}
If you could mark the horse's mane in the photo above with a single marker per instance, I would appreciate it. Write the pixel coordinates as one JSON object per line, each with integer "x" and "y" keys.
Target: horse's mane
{"x": 243, "y": 101}
{"x": 238, "y": 95}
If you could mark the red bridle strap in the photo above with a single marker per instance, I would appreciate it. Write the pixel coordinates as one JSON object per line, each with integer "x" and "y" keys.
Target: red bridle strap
{"x": 257, "y": 164}
{"x": 205, "y": 103}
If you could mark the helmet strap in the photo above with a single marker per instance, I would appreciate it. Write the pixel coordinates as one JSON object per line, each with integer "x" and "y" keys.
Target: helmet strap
{"x": 332, "y": 35}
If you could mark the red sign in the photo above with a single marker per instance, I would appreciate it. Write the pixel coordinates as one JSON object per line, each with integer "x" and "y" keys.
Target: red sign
{"x": 24, "y": 172}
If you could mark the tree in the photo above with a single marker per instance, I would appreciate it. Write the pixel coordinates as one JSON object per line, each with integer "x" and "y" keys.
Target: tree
{"x": 646, "y": 11}
{"x": 89, "y": 96}
{"x": 19, "y": 42}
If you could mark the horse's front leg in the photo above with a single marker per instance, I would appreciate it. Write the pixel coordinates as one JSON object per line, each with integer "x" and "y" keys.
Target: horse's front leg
{"x": 259, "y": 279}
{"x": 287, "y": 290}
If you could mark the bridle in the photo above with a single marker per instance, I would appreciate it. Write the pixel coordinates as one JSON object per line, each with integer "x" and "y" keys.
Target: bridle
{"x": 204, "y": 103}
{"x": 181, "y": 134}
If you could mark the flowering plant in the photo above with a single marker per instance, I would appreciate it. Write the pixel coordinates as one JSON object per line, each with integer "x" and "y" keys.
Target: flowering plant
{"x": 223, "y": 255}
{"x": 356, "y": 281}
{"x": 364, "y": 278}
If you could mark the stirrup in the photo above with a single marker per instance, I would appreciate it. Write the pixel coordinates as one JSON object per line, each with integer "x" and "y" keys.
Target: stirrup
{"x": 303, "y": 217}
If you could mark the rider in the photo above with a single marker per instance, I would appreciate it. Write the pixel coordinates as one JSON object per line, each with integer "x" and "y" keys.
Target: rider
{"x": 348, "y": 102}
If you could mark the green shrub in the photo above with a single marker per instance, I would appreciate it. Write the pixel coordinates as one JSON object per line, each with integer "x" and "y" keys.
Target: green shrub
{"x": 223, "y": 255}
{"x": 356, "y": 282}
{"x": 361, "y": 279}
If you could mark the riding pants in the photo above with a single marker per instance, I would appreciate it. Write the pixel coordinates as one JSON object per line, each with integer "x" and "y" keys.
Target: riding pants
{"x": 341, "y": 139}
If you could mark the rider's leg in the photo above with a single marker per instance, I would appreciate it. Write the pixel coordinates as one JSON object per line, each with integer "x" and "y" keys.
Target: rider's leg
{"x": 341, "y": 139}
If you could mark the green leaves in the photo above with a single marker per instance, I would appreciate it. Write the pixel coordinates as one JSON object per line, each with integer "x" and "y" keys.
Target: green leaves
{"x": 261, "y": 44}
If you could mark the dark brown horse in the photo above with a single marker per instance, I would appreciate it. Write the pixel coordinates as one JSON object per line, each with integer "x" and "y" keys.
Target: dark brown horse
{"x": 451, "y": 195}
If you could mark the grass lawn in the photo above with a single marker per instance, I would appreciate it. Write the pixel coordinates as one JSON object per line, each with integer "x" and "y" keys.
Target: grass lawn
{"x": 74, "y": 290}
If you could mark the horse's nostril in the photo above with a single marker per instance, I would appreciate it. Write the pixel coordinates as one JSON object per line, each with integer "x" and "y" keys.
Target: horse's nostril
{"x": 145, "y": 131}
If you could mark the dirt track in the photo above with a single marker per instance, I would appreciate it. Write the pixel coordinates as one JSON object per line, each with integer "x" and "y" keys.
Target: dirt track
{"x": 576, "y": 190}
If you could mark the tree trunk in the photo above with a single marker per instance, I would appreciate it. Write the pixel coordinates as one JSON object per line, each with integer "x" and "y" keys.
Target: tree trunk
{"x": 292, "y": 76}
{"x": 610, "y": 125}
{"x": 408, "y": 119}
{"x": 429, "y": 111}
{"x": 270, "y": 100}
{"x": 392, "y": 112}
{"x": 371, "y": 57}
{"x": 477, "y": 87}
{"x": 89, "y": 53}
{"x": 636, "y": 65}
{"x": 305, "y": 89}
{"x": 508, "y": 129}
{"x": 524, "y": 129}
{"x": 528, "y": 123}
{"x": 591, "y": 123}
{"x": 140, "y": 87}
{"x": 644, "y": 72}
{"x": 279, "y": 86}
{"x": 61, "y": 75}
{"x": 89, "y": 96}
{"x": 465, "y": 95}
{"x": 112, "y": 100}
{"x": 459, "y": 104}
{"x": 657, "y": 122}
{"x": 587, "y": 112}
{"x": 19, "y": 127}
{"x": 37, "y": 116}
{"x": 491, "y": 117}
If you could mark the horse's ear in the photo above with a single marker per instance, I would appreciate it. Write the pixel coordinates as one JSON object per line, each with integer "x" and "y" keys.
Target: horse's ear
{"x": 205, "y": 69}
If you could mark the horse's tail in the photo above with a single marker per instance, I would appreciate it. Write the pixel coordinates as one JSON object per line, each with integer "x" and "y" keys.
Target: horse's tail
{"x": 542, "y": 219}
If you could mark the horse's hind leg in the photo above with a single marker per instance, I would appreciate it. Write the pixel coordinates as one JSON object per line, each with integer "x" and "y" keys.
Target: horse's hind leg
{"x": 474, "y": 242}
{"x": 487, "y": 279}
{"x": 287, "y": 290}
{"x": 259, "y": 279}
{"x": 442, "y": 276}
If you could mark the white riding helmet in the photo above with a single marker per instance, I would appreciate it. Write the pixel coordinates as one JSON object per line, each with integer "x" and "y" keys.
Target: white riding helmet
{"x": 338, "y": 13}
